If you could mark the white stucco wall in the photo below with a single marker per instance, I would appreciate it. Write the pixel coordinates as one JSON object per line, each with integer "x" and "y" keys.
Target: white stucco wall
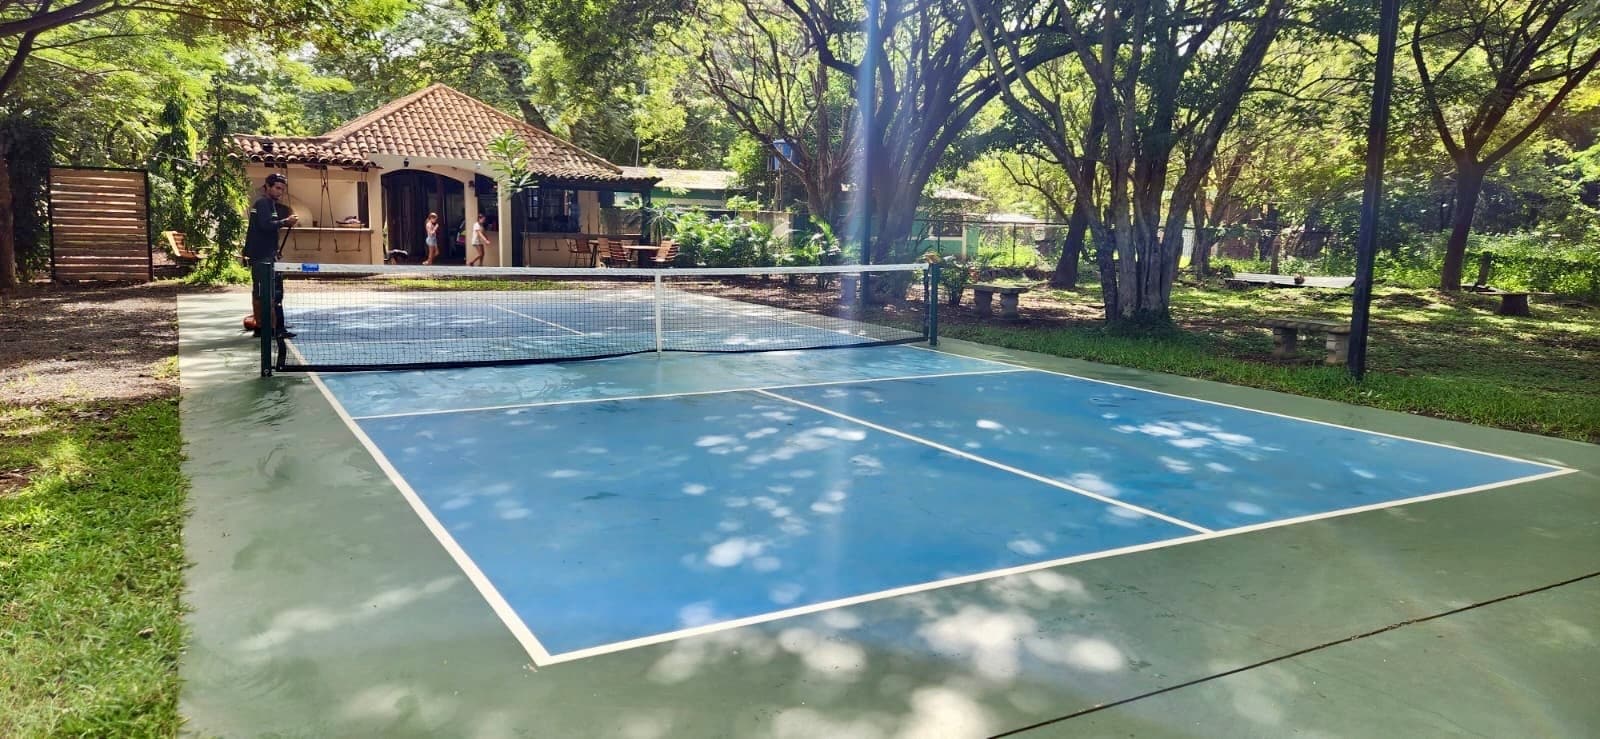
{"x": 316, "y": 239}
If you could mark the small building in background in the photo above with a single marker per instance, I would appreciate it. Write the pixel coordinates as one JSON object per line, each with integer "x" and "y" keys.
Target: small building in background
{"x": 948, "y": 222}
{"x": 706, "y": 189}
{"x": 364, "y": 189}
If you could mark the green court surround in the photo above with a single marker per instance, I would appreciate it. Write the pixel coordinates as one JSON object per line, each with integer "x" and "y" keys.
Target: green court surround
{"x": 321, "y": 607}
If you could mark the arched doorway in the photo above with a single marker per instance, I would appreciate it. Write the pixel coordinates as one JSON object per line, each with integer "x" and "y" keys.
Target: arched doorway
{"x": 409, "y": 195}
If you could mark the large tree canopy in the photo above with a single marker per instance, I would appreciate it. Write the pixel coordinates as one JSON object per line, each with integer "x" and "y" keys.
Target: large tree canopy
{"x": 1491, "y": 73}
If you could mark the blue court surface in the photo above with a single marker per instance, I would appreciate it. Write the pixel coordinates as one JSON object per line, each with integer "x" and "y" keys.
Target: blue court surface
{"x": 375, "y": 328}
{"x": 611, "y": 504}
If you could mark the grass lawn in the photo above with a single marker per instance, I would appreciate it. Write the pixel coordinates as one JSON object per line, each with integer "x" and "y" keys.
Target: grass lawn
{"x": 91, "y": 569}
{"x": 1431, "y": 353}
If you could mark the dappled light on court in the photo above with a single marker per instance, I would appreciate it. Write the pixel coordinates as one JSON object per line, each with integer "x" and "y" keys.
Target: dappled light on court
{"x": 290, "y": 624}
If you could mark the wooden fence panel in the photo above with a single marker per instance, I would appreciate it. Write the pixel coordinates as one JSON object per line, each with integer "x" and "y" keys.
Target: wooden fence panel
{"x": 99, "y": 225}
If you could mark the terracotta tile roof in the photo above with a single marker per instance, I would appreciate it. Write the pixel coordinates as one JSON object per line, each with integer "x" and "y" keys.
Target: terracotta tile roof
{"x": 296, "y": 150}
{"x": 440, "y": 122}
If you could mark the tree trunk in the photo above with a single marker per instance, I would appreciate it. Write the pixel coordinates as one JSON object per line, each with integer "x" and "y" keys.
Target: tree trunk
{"x": 1469, "y": 183}
{"x": 1104, "y": 258}
{"x": 1066, "y": 274}
{"x": 1200, "y": 257}
{"x": 8, "y": 241}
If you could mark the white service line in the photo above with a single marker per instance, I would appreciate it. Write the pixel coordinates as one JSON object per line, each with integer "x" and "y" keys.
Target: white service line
{"x": 541, "y": 320}
{"x": 856, "y": 600}
{"x": 497, "y": 602}
{"x": 997, "y": 465}
{"x": 545, "y": 403}
{"x": 1245, "y": 408}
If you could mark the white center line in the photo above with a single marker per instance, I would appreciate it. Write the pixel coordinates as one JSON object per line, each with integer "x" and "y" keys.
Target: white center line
{"x": 997, "y": 465}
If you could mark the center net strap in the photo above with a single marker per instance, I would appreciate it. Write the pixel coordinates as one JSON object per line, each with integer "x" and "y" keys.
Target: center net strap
{"x": 361, "y": 317}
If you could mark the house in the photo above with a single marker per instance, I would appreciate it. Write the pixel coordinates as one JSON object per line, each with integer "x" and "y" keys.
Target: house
{"x": 364, "y": 189}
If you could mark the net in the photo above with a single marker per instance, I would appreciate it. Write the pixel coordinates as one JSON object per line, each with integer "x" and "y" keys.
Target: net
{"x": 361, "y": 317}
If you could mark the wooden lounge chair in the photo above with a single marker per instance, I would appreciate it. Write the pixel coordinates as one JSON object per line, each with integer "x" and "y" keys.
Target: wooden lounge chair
{"x": 183, "y": 256}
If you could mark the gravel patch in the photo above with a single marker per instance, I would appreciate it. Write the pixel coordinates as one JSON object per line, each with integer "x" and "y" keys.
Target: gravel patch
{"x": 86, "y": 343}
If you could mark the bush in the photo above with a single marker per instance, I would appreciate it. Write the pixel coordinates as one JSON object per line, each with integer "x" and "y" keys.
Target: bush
{"x": 1526, "y": 261}
{"x": 1008, "y": 257}
{"x": 721, "y": 242}
{"x": 218, "y": 269}
{"x": 955, "y": 273}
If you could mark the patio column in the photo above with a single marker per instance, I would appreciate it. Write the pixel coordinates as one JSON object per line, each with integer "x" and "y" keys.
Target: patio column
{"x": 470, "y": 211}
{"x": 377, "y": 223}
{"x": 508, "y": 239}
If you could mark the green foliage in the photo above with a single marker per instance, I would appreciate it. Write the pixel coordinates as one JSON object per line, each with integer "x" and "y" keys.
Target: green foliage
{"x": 218, "y": 272}
{"x": 722, "y": 242}
{"x": 742, "y": 203}
{"x": 28, "y": 143}
{"x": 748, "y": 159}
{"x": 172, "y": 169}
{"x": 1529, "y": 261}
{"x": 820, "y": 249}
{"x": 955, "y": 273}
{"x": 512, "y": 162}
{"x": 91, "y": 565}
{"x": 1008, "y": 255}
{"x": 219, "y": 204}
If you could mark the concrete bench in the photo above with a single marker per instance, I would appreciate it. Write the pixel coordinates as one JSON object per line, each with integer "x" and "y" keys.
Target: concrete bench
{"x": 983, "y": 295}
{"x": 1286, "y": 337}
{"x": 1512, "y": 302}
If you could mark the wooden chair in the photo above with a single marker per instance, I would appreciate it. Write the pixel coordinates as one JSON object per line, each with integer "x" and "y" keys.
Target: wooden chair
{"x": 183, "y": 256}
{"x": 667, "y": 254}
{"x": 616, "y": 256}
{"x": 578, "y": 253}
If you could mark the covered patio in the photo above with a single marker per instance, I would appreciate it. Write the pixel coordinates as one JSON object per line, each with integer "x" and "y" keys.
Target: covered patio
{"x": 364, "y": 190}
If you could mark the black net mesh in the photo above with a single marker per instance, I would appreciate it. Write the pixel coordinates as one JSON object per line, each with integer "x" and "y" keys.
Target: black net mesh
{"x": 356, "y": 317}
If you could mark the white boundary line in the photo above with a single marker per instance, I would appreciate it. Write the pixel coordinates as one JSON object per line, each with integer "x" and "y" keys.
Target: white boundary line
{"x": 497, "y": 602}
{"x": 541, "y": 657}
{"x": 997, "y": 465}
{"x": 860, "y": 599}
{"x": 690, "y": 393}
{"x": 994, "y": 574}
{"x": 1246, "y": 408}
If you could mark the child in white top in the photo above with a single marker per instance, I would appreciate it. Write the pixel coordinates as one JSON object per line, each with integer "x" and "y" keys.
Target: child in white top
{"x": 478, "y": 241}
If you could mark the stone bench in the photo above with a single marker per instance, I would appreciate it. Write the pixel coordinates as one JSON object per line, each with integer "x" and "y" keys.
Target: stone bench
{"x": 1512, "y": 302}
{"x": 1286, "y": 337}
{"x": 983, "y": 295}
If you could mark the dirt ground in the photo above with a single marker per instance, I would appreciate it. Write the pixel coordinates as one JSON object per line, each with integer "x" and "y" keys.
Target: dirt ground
{"x": 90, "y": 342}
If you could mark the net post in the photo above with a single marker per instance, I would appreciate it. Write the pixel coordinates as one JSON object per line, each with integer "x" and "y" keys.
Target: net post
{"x": 263, "y": 283}
{"x": 933, "y": 304}
{"x": 657, "y": 302}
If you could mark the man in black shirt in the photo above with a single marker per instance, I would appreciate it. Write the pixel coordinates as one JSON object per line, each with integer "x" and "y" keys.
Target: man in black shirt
{"x": 261, "y": 248}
